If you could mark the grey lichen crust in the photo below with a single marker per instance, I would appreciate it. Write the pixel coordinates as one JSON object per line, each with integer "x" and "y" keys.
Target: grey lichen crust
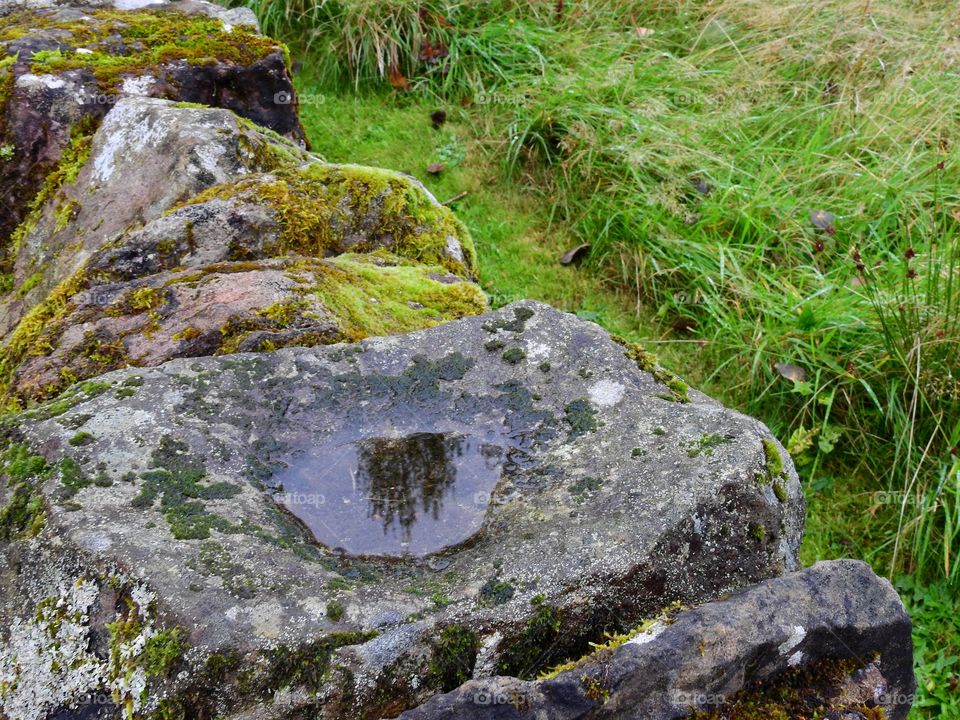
{"x": 620, "y": 490}
{"x": 51, "y": 660}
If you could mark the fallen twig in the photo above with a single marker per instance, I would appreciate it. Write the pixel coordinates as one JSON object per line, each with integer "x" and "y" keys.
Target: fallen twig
{"x": 458, "y": 196}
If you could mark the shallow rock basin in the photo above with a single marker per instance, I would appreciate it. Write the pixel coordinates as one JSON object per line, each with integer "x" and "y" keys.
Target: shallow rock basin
{"x": 410, "y": 495}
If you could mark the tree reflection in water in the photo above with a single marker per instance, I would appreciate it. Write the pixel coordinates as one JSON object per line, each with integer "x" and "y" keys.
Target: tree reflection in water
{"x": 406, "y": 476}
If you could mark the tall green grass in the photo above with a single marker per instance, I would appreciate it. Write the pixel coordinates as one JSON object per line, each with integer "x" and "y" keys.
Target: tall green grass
{"x": 691, "y": 143}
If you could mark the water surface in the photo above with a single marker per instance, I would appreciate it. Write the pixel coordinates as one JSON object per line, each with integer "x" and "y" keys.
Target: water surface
{"x": 407, "y": 496}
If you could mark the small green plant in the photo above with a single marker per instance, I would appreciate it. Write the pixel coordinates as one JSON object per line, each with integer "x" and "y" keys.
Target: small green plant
{"x": 335, "y": 610}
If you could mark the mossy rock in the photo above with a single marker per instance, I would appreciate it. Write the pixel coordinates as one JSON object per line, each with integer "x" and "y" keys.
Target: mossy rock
{"x": 765, "y": 653}
{"x": 237, "y": 307}
{"x": 476, "y": 516}
{"x": 62, "y": 68}
{"x": 323, "y": 210}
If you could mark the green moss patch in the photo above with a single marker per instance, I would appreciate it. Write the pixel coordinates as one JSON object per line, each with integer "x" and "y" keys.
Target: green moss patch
{"x": 581, "y": 416}
{"x": 775, "y": 473}
{"x": 584, "y": 488}
{"x": 176, "y": 480}
{"x": 306, "y": 666}
{"x": 382, "y": 295}
{"x": 706, "y": 444}
{"x": 24, "y": 515}
{"x": 454, "y": 655}
{"x": 321, "y": 208}
{"x": 532, "y": 650}
{"x": 152, "y": 39}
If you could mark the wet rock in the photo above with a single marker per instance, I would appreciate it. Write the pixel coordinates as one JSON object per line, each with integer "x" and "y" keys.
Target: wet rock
{"x": 831, "y": 641}
{"x": 64, "y": 65}
{"x": 266, "y": 510}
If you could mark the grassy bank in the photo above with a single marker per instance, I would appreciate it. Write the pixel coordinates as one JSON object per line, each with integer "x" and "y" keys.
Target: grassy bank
{"x": 770, "y": 193}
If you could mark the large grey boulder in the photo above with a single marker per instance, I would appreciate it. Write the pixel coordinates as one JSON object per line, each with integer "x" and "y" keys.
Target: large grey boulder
{"x": 831, "y": 641}
{"x": 345, "y": 530}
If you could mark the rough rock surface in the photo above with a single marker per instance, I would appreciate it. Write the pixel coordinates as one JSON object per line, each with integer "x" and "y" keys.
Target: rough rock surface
{"x": 831, "y": 641}
{"x": 166, "y": 195}
{"x": 147, "y": 155}
{"x": 553, "y": 483}
{"x": 64, "y": 65}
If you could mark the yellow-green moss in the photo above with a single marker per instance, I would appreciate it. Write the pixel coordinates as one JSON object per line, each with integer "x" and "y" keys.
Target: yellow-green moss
{"x": 365, "y": 294}
{"x": 775, "y": 475}
{"x": 648, "y": 362}
{"x": 27, "y": 338}
{"x": 774, "y": 461}
{"x": 153, "y": 39}
{"x": 612, "y": 641}
{"x": 313, "y": 204}
{"x": 372, "y": 299}
{"x": 29, "y": 284}
{"x": 72, "y": 160}
{"x": 266, "y": 149}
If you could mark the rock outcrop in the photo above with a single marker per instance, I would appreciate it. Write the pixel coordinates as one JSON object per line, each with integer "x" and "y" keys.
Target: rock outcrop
{"x": 267, "y": 456}
{"x": 485, "y": 496}
{"x": 831, "y": 641}
{"x": 189, "y": 231}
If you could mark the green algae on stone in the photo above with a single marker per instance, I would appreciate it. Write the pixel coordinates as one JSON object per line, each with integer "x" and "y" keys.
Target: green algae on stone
{"x": 454, "y": 655}
{"x": 496, "y": 592}
{"x": 584, "y": 487}
{"x": 581, "y": 416}
{"x": 334, "y": 610}
{"x": 516, "y": 325}
{"x": 514, "y": 356}
{"x": 705, "y": 445}
{"x": 175, "y": 478}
